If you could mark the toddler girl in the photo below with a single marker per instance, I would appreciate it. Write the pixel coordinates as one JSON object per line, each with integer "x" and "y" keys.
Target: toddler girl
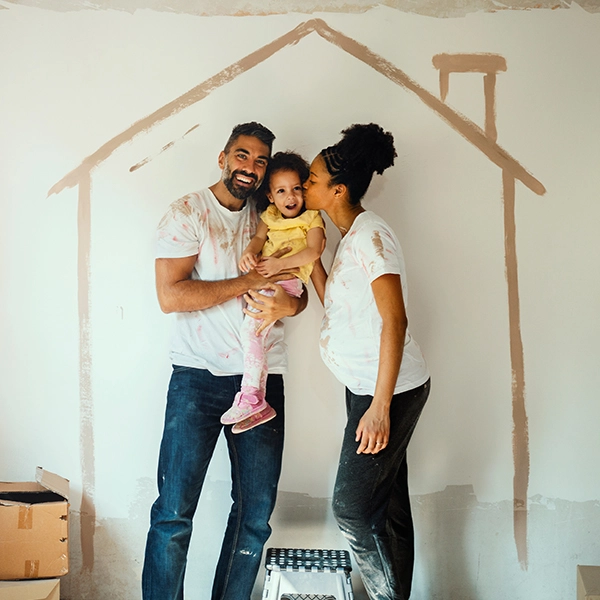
{"x": 284, "y": 224}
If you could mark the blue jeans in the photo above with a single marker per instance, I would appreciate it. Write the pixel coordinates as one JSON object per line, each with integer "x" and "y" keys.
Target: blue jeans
{"x": 195, "y": 402}
{"x": 370, "y": 499}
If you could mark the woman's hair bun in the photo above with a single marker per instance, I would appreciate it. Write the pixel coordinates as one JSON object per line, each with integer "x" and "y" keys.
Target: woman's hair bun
{"x": 367, "y": 148}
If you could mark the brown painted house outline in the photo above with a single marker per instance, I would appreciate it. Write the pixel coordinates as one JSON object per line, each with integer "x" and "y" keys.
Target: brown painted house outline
{"x": 485, "y": 141}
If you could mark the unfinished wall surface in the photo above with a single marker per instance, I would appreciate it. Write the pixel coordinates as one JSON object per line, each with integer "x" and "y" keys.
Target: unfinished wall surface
{"x": 434, "y": 8}
{"x": 110, "y": 114}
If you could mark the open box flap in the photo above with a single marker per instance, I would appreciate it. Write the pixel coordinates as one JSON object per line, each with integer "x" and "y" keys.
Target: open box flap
{"x": 53, "y": 482}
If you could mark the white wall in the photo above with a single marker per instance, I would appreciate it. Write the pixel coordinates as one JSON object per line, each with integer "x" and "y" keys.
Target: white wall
{"x": 72, "y": 81}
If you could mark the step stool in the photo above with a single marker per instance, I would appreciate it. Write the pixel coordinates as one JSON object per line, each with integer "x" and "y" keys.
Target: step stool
{"x": 305, "y": 574}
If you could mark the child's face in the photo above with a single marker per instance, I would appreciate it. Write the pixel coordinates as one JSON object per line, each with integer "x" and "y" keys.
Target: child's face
{"x": 285, "y": 192}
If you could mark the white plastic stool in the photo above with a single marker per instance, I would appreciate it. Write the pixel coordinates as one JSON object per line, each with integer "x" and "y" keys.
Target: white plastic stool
{"x": 307, "y": 574}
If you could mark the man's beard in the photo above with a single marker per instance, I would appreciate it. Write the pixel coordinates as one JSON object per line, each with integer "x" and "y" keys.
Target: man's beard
{"x": 232, "y": 186}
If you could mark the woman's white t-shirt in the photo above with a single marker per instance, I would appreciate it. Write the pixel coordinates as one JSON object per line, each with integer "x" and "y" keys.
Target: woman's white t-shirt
{"x": 351, "y": 327}
{"x": 210, "y": 339}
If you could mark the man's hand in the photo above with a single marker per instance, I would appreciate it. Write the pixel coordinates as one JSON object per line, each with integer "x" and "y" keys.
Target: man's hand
{"x": 275, "y": 307}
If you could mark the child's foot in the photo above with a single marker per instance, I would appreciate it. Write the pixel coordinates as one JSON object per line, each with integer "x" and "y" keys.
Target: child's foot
{"x": 263, "y": 416}
{"x": 245, "y": 405}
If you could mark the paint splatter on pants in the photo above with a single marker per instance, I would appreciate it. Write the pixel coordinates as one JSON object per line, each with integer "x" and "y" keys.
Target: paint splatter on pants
{"x": 371, "y": 502}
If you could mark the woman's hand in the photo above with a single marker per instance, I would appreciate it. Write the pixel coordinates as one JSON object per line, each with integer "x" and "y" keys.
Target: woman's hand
{"x": 373, "y": 431}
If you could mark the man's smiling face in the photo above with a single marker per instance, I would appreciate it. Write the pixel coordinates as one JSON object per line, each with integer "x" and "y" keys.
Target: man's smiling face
{"x": 244, "y": 166}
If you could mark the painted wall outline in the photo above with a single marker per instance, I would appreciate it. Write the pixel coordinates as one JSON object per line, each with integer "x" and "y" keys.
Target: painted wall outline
{"x": 484, "y": 140}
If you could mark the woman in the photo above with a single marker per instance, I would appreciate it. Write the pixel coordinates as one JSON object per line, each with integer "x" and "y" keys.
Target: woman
{"x": 366, "y": 344}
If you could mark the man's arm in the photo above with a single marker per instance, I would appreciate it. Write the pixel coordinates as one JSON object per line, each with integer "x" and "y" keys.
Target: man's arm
{"x": 177, "y": 292}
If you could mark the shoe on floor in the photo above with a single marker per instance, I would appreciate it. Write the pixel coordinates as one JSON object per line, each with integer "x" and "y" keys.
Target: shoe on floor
{"x": 263, "y": 416}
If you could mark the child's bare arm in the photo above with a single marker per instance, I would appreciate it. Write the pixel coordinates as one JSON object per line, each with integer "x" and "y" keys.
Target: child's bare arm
{"x": 249, "y": 258}
{"x": 315, "y": 244}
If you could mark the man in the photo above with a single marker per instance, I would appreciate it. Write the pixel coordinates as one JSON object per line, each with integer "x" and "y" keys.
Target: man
{"x": 200, "y": 241}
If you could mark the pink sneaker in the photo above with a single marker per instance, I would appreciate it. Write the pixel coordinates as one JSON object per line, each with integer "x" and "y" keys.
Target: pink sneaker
{"x": 263, "y": 416}
{"x": 244, "y": 405}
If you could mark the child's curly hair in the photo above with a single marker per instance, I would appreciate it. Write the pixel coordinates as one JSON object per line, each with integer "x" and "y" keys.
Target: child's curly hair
{"x": 281, "y": 161}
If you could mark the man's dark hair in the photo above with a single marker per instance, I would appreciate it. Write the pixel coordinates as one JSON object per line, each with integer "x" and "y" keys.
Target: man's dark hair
{"x": 253, "y": 129}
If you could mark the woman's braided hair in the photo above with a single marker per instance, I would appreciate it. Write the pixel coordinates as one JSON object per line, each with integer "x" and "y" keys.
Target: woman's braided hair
{"x": 362, "y": 151}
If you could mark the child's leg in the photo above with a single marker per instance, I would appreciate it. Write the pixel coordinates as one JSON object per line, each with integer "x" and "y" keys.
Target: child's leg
{"x": 255, "y": 346}
{"x": 255, "y": 361}
{"x": 293, "y": 286}
{"x": 250, "y": 400}
{"x": 255, "y": 353}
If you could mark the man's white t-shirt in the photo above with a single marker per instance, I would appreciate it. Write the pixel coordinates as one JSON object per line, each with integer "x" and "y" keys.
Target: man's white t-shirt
{"x": 351, "y": 327}
{"x": 210, "y": 339}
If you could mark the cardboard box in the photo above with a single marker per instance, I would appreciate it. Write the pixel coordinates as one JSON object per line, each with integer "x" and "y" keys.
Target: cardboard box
{"x": 588, "y": 582}
{"x": 34, "y": 528}
{"x": 35, "y": 589}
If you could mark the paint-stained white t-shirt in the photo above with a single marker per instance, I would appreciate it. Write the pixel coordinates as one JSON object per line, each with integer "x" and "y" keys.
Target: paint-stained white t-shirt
{"x": 351, "y": 327}
{"x": 210, "y": 339}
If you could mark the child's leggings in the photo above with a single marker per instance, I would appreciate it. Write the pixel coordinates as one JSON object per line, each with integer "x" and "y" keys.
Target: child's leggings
{"x": 256, "y": 346}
